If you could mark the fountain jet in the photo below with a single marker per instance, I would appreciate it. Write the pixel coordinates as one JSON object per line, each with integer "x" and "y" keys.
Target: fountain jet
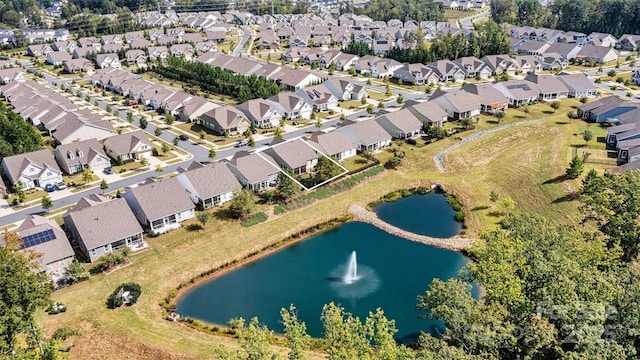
{"x": 351, "y": 275}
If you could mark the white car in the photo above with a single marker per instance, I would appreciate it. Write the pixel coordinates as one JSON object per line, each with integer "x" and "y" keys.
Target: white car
{"x": 61, "y": 186}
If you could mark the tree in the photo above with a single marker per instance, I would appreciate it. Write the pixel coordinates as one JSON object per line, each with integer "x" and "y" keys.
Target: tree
{"x": 466, "y": 123}
{"x": 108, "y": 109}
{"x": 158, "y": 131}
{"x": 202, "y": 134}
{"x": 493, "y": 196}
{"x": 143, "y": 123}
{"x": 400, "y": 99}
{"x": 212, "y": 153}
{"x": 380, "y": 105}
{"x": 363, "y": 100}
{"x": 203, "y": 218}
{"x": 129, "y": 116}
{"x": 295, "y": 331}
{"x": 370, "y": 109}
{"x": 144, "y": 161}
{"x": 176, "y": 140}
{"x": 169, "y": 119}
{"x": 76, "y": 272}
{"x": 611, "y": 73}
{"x": 508, "y": 204}
{"x": 254, "y": 340}
{"x": 279, "y": 133}
{"x": 318, "y": 123}
{"x": 285, "y": 185}
{"x": 387, "y": 90}
{"x": 575, "y": 168}
{"x": 18, "y": 189}
{"x": 47, "y": 203}
{"x": 499, "y": 115}
{"x": 325, "y": 169}
{"x": 344, "y": 335}
{"x": 25, "y": 289}
{"x": 555, "y": 106}
{"x": 242, "y": 204}
{"x": 159, "y": 170}
{"x": 87, "y": 176}
{"x": 251, "y": 141}
{"x": 587, "y": 135}
{"x": 104, "y": 185}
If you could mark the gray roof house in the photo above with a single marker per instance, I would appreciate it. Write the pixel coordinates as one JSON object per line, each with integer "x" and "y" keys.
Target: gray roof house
{"x": 209, "y": 186}
{"x": 77, "y": 156}
{"x": 616, "y": 134}
{"x": 518, "y": 92}
{"x": 459, "y": 104}
{"x": 597, "y": 110}
{"x": 345, "y": 90}
{"x": 253, "y": 171}
{"x": 447, "y": 71}
{"x": 500, "y": 64}
{"x": 160, "y": 206}
{"x": 401, "y": 124}
{"x": 295, "y": 155}
{"x": 261, "y": 113}
{"x": 225, "y": 119}
{"x": 416, "y": 74}
{"x": 551, "y": 88}
{"x": 101, "y": 226}
{"x": 491, "y": 100}
{"x": 46, "y": 237}
{"x": 430, "y": 113}
{"x": 597, "y": 54}
{"x": 473, "y": 67}
{"x": 579, "y": 85}
{"x": 34, "y": 169}
{"x": 291, "y": 106}
{"x": 131, "y": 145}
{"x": 368, "y": 135}
{"x": 334, "y": 143}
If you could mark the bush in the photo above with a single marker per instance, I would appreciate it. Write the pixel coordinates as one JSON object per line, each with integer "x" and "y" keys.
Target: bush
{"x": 110, "y": 260}
{"x": 459, "y": 216}
{"x": 255, "y": 219}
{"x": 56, "y": 308}
{"x": 64, "y": 333}
{"x": 115, "y": 299}
{"x": 412, "y": 142}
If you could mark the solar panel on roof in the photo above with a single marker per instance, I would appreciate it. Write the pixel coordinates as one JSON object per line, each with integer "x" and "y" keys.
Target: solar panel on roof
{"x": 37, "y": 238}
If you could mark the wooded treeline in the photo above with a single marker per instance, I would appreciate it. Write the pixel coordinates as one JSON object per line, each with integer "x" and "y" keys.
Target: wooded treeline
{"x": 609, "y": 16}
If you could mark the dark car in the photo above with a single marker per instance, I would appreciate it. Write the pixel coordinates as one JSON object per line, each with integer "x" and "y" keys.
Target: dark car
{"x": 253, "y": 130}
{"x": 50, "y": 188}
{"x": 184, "y": 137}
{"x": 108, "y": 170}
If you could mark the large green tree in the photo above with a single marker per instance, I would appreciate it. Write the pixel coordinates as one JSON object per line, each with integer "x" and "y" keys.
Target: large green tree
{"x": 242, "y": 204}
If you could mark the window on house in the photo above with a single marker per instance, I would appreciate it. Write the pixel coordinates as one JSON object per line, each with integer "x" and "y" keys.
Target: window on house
{"x": 49, "y": 173}
{"x": 93, "y": 252}
{"x": 157, "y": 223}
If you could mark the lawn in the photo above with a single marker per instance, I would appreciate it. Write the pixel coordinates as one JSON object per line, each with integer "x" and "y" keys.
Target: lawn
{"x": 378, "y": 96}
{"x": 195, "y": 129}
{"x": 524, "y": 162}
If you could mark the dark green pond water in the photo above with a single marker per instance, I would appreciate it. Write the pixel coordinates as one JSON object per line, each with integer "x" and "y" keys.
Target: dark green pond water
{"x": 392, "y": 273}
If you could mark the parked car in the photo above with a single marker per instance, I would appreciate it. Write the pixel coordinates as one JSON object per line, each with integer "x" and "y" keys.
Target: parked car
{"x": 253, "y": 130}
{"x": 184, "y": 137}
{"x": 148, "y": 108}
{"x": 133, "y": 103}
{"x": 50, "y": 188}
{"x": 241, "y": 143}
{"x": 61, "y": 185}
{"x": 108, "y": 170}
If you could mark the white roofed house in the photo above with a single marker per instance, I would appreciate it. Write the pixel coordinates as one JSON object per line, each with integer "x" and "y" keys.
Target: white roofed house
{"x": 100, "y": 226}
{"x": 225, "y": 120}
{"x": 160, "y": 206}
{"x": 11, "y": 75}
{"x": 368, "y": 135}
{"x": 261, "y": 113}
{"x": 491, "y": 100}
{"x": 401, "y": 124}
{"x": 345, "y": 90}
{"x": 597, "y": 54}
{"x": 209, "y": 186}
{"x": 57, "y": 58}
{"x": 552, "y": 61}
{"x": 33, "y": 169}
{"x": 459, "y": 104}
{"x": 579, "y": 85}
{"x": 335, "y": 144}
{"x": 294, "y": 155}
{"x": 131, "y": 145}
{"x": 291, "y": 106}
{"x": 77, "y": 156}
{"x": 45, "y": 237}
{"x": 518, "y": 92}
{"x": 319, "y": 96}
{"x": 75, "y": 66}
{"x": 551, "y": 88}
{"x": 253, "y": 171}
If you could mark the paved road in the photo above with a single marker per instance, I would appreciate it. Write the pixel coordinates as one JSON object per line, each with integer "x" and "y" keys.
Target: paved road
{"x": 245, "y": 37}
{"x": 467, "y": 23}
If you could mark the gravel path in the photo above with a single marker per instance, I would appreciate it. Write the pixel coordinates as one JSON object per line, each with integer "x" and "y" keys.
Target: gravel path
{"x": 439, "y": 157}
{"x": 455, "y": 243}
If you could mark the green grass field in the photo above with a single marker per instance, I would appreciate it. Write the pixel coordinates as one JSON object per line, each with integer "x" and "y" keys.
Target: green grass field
{"x": 524, "y": 162}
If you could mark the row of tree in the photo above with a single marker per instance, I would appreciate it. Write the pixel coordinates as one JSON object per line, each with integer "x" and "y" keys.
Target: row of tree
{"x": 488, "y": 39}
{"x": 216, "y": 80}
{"x": 16, "y": 135}
{"x": 418, "y": 10}
{"x": 610, "y": 16}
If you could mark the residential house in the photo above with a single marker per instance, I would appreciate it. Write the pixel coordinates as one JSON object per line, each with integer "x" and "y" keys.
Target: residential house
{"x": 368, "y": 135}
{"x": 459, "y": 104}
{"x": 253, "y": 171}
{"x": 79, "y": 125}
{"x": 108, "y": 60}
{"x": 568, "y": 51}
{"x": 100, "y": 226}
{"x": 527, "y": 64}
{"x": 345, "y": 90}
{"x": 184, "y": 51}
{"x": 33, "y": 169}
{"x": 415, "y": 74}
{"x": 334, "y": 143}
{"x": 622, "y": 133}
{"x": 518, "y": 92}
{"x": 128, "y": 146}
{"x": 553, "y": 61}
{"x": 158, "y": 53}
{"x": 491, "y": 100}
{"x": 160, "y": 206}
{"x": 67, "y": 46}
{"x": 550, "y": 86}
{"x": 81, "y": 53}
{"x": 319, "y": 97}
{"x": 473, "y": 67}
{"x": 77, "y": 156}
{"x": 75, "y": 66}
{"x": 430, "y": 113}
{"x": 401, "y": 124}
{"x": 261, "y": 113}
{"x": 579, "y": 85}
{"x": 191, "y": 109}
{"x": 136, "y": 56}
{"x": 628, "y": 42}
{"x": 447, "y": 71}
{"x": 209, "y": 186}
{"x": 602, "y": 109}
{"x": 10, "y": 75}
{"x": 383, "y": 68}
{"x": 38, "y": 50}
{"x": 89, "y": 41}
{"x": 635, "y": 77}
{"x": 601, "y": 39}
{"x": 531, "y": 47}
{"x": 225, "y": 120}
{"x": 57, "y": 58}
{"x": 44, "y": 236}
{"x": 295, "y": 155}
{"x": 597, "y": 54}
{"x": 291, "y": 106}
{"x": 112, "y": 39}
{"x": 500, "y": 64}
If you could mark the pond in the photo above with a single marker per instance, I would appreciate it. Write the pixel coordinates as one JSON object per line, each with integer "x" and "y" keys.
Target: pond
{"x": 391, "y": 273}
